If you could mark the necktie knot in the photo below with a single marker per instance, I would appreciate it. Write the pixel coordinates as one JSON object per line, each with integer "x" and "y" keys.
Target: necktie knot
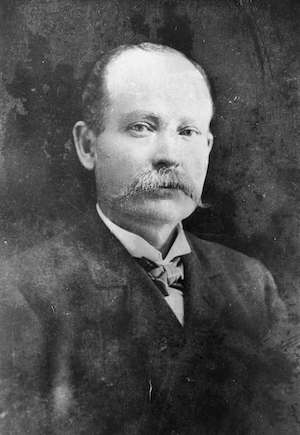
{"x": 168, "y": 273}
{"x": 165, "y": 276}
{"x": 169, "y": 280}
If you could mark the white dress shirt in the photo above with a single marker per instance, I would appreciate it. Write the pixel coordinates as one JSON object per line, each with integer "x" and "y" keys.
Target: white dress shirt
{"x": 139, "y": 247}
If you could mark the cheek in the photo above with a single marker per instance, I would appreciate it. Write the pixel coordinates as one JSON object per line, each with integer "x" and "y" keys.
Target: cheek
{"x": 198, "y": 164}
{"x": 117, "y": 150}
{"x": 112, "y": 174}
{"x": 115, "y": 167}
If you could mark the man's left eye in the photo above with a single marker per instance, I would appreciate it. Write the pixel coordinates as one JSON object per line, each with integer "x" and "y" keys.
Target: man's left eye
{"x": 189, "y": 132}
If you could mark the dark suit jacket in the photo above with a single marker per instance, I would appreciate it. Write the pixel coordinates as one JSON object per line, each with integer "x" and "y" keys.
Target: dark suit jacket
{"x": 89, "y": 346}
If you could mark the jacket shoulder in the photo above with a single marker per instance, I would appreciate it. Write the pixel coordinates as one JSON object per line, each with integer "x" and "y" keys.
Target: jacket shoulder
{"x": 222, "y": 259}
{"x": 41, "y": 265}
{"x": 245, "y": 280}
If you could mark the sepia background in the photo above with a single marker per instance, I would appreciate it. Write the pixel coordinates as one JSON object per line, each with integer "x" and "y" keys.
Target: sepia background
{"x": 249, "y": 50}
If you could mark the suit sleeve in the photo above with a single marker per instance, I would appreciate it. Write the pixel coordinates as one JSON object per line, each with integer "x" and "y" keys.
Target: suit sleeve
{"x": 22, "y": 358}
{"x": 272, "y": 361}
{"x": 275, "y": 307}
{"x": 282, "y": 347}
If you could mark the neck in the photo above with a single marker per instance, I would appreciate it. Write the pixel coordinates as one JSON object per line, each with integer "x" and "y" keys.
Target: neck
{"x": 159, "y": 234}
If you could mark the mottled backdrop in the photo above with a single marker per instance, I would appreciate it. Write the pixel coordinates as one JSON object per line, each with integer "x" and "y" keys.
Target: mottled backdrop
{"x": 249, "y": 49}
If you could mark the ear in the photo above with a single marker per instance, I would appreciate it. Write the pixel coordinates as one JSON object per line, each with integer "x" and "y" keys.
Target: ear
{"x": 85, "y": 143}
{"x": 210, "y": 140}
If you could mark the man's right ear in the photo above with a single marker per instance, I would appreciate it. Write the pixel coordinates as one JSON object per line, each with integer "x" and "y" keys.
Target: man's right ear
{"x": 85, "y": 144}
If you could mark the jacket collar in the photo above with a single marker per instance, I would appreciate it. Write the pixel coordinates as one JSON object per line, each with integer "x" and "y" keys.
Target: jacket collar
{"x": 203, "y": 290}
{"x": 139, "y": 247}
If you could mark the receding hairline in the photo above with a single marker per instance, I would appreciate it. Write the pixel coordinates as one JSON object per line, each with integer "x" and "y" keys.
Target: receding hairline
{"x": 152, "y": 48}
{"x": 100, "y": 73}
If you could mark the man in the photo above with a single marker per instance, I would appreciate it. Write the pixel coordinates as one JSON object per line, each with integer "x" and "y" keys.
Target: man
{"x": 126, "y": 324}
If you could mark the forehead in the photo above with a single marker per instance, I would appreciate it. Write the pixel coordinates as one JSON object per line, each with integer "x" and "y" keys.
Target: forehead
{"x": 141, "y": 80}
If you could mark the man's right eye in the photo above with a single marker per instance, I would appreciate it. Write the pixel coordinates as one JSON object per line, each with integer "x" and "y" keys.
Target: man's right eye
{"x": 140, "y": 128}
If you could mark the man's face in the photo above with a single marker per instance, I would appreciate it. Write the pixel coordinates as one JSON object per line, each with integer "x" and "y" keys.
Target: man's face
{"x": 152, "y": 157}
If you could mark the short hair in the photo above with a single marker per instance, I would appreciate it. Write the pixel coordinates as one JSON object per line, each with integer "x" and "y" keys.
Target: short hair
{"x": 95, "y": 98}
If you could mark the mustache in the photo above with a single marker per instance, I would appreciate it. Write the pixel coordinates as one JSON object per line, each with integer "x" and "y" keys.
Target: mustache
{"x": 164, "y": 178}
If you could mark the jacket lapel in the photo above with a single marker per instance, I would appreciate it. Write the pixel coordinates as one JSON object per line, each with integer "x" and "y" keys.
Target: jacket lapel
{"x": 203, "y": 295}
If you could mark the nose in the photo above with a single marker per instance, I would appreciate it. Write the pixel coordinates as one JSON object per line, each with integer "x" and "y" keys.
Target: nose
{"x": 164, "y": 152}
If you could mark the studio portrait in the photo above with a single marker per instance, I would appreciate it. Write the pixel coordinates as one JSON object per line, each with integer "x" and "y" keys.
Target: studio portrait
{"x": 149, "y": 217}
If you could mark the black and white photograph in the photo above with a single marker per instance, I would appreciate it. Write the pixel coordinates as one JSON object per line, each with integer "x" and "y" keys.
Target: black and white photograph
{"x": 149, "y": 217}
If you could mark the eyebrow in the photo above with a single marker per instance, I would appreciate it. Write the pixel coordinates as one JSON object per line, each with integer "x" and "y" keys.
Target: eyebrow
{"x": 153, "y": 117}
{"x": 130, "y": 116}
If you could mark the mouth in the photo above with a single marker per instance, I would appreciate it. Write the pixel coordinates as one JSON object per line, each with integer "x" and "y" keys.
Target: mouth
{"x": 165, "y": 191}
{"x": 163, "y": 188}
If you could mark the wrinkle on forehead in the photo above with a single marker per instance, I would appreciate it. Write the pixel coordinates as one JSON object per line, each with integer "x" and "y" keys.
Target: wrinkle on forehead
{"x": 188, "y": 82}
{"x": 137, "y": 73}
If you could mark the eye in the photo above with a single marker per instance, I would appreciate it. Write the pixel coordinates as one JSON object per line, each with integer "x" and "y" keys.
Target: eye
{"x": 140, "y": 128}
{"x": 189, "y": 131}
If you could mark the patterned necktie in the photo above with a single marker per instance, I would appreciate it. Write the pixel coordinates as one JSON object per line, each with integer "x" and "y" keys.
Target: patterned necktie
{"x": 169, "y": 279}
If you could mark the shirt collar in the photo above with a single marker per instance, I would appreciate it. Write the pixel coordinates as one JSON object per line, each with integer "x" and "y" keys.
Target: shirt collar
{"x": 139, "y": 247}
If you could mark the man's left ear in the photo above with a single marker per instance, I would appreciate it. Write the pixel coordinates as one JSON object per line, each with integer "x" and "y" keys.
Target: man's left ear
{"x": 210, "y": 140}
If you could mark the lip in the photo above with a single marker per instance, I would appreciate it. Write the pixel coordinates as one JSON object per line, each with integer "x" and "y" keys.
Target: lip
{"x": 165, "y": 191}
{"x": 168, "y": 187}
{"x": 171, "y": 189}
